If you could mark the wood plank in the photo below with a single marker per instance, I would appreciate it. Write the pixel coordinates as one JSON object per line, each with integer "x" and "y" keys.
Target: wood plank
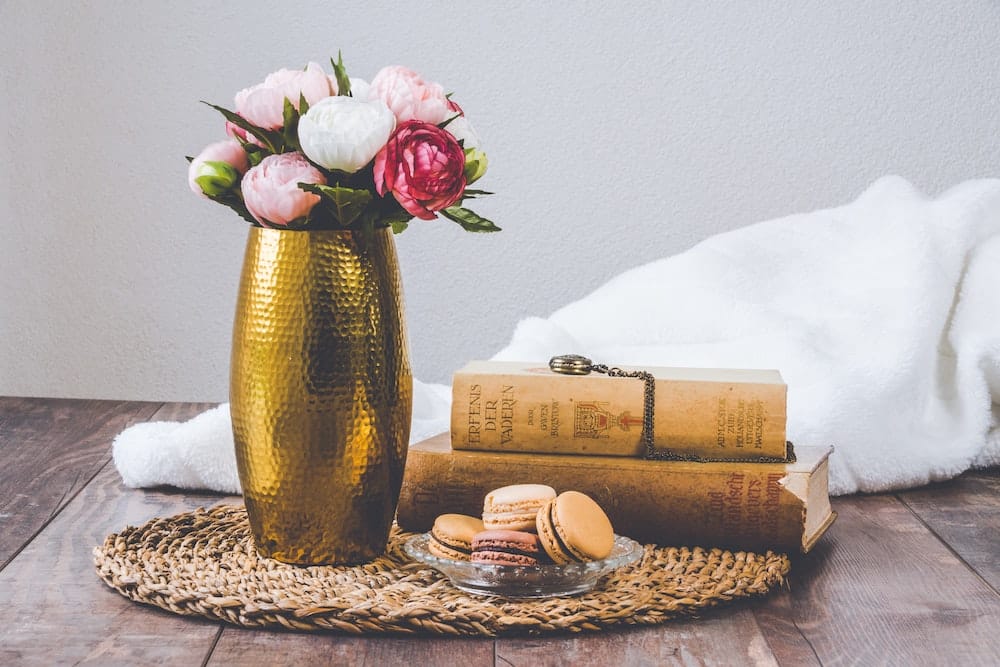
{"x": 238, "y": 646}
{"x": 965, "y": 513}
{"x": 51, "y": 448}
{"x": 727, "y": 636}
{"x": 881, "y": 589}
{"x": 787, "y": 643}
{"x": 55, "y": 610}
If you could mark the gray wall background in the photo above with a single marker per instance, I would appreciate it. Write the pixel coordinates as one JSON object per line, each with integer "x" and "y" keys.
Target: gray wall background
{"x": 617, "y": 135}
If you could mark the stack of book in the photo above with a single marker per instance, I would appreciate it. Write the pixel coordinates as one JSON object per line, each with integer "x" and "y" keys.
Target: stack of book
{"x": 733, "y": 480}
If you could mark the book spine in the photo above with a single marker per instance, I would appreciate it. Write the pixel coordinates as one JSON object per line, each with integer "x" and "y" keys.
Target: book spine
{"x": 601, "y": 415}
{"x": 741, "y": 506}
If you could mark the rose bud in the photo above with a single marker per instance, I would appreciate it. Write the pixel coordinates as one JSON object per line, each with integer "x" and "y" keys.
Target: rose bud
{"x": 217, "y": 168}
{"x": 475, "y": 165}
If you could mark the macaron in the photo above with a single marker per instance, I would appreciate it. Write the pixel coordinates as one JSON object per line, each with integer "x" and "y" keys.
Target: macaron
{"x": 451, "y": 536}
{"x": 507, "y": 547}
{"x": 514, "y": 507}
{"x": 574, "y": 529}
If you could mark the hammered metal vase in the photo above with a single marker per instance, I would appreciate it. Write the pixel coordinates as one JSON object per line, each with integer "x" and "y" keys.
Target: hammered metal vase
{"x": 320, "y": 393}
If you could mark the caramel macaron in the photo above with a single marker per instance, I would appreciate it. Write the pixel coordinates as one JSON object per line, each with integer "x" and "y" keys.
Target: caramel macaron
{"x": 451, "y": 536}
{"x": 574, "y": 529}
{"x": 514, "y": 507}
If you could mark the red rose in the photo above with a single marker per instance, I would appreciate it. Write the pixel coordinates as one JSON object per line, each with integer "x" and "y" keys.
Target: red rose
{"x": 423, "y": 166}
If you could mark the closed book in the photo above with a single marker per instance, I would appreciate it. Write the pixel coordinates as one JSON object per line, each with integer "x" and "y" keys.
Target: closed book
{"x": 736, "y": 505}
{"x": 698, "y": 413}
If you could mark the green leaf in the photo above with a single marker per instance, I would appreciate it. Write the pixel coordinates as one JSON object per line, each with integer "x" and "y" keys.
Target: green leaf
{"x": 288, "y": 114}
{"x": 255, "y": 153}
{"x": 445, "y": 124}
{"x": 470, "y": 222}
{"x": 303, "y": 105}
{"x": 398, "y": 219}
{"x": 270, "y": 139}
{"x": 348, "y": 203}
{"x": 297, "y": 223}
{"x": 235, "y": 202}
{"x": 343, "y": 81}
{"x": 472, "y": 194}
{"x": 290, "y": 126}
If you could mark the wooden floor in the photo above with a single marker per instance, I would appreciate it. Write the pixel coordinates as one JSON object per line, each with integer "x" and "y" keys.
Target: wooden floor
{"x": 901, "y": 579}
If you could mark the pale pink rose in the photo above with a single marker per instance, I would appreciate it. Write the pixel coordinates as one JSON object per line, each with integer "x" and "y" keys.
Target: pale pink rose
{"x": 271, "y": 192}
{"x": 423, "y": 166}
{"x": 264, "y": 104}
{"x": 217, "y": 168}
{"x": 409, "y": 96}
{"x": 236, "y": 132}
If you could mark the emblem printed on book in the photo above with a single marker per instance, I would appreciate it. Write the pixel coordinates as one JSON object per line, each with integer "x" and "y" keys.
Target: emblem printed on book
{"x": 592, "y": 419}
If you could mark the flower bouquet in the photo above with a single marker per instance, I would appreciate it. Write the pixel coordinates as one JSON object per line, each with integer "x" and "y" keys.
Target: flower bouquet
{"x": 315, "y": 151}
{"x": 326, "y": 169}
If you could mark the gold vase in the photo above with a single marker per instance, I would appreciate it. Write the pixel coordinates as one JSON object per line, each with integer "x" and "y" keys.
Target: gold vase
{"x": 320, "y": 392}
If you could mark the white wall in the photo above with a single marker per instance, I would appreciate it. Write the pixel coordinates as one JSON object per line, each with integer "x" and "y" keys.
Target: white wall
{"x": 616, "y": 136}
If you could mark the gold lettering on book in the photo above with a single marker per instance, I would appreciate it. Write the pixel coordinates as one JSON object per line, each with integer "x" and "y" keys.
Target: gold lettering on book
{"x": 755, "y": 491}
{"x": 772, "y": 500}
{"x": 732, "y": 512}
{"x": 490, "y": 416}
{"x": 507, "y": 403}
{"x": 720, "y": 424}
{"x": 741, "y": 422}
{"x": 452, "y": 493}
{"x": 758, "y": 424}
{"x": 475, "y": 408}
{"x": 740, "y": 425}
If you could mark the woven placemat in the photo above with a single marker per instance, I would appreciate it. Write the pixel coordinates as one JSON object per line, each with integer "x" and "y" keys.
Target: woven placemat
{"x": 203, "y": 563}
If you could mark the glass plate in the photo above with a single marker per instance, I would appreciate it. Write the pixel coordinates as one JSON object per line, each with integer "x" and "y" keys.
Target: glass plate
{"x": 541, "y": 581}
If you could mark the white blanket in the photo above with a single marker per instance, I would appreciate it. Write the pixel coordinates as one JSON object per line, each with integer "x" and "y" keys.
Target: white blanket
{"x": 883, "y": 316}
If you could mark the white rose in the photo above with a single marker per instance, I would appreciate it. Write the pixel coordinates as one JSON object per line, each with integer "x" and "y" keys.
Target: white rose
{"x": 359, "y": 88}
{"x": 462, "y": 129}
{"x": 345, "y": 133}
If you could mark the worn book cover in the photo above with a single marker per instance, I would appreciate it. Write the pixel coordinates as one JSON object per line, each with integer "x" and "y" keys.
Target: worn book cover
{"x": 709, "y": 414}
{"x": 779, "y": 506}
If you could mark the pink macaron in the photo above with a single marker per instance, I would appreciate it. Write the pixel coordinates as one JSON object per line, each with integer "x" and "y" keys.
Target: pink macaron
{"x": 507, "y": 547}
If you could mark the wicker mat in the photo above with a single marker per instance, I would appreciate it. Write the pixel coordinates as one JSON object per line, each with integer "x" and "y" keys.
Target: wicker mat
{"x": 203, "y": 563}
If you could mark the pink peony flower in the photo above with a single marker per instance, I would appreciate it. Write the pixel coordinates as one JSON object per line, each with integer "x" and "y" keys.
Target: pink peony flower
{"x": 409, "y": 96}
{"x": 217, "y": 168}
{"x": 423, "y": 166}
{"x": 264, "y": 103}
{"x": 271, "y": 192}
